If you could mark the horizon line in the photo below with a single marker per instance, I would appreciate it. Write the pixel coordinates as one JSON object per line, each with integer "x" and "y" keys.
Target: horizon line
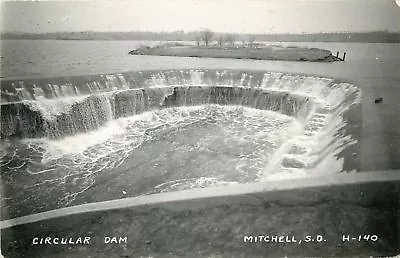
{"x": 193, "y": 31}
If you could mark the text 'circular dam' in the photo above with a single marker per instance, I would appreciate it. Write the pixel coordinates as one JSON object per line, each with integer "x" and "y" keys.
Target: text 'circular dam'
{"x": 68, "y": 141}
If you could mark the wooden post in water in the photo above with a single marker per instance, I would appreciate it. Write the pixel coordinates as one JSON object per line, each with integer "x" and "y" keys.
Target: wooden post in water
{"x": 337, "y": 54}
{"x": 344, "y": 56}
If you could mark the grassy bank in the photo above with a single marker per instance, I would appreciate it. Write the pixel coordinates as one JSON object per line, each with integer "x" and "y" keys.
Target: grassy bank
{"x": 257, "y": 53}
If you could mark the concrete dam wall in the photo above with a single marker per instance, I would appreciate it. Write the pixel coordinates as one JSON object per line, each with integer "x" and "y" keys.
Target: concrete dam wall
{"x": 75, "y": 140}
{"x": 60, "y": 117}
{"x": 63, "y": 106}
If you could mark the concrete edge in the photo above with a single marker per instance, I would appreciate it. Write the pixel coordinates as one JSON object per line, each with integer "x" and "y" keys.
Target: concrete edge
{"x": 196, "y": 194}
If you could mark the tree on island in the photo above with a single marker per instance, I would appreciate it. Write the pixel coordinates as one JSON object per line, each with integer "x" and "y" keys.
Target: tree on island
{"x": 220, "y": 40}
{"x": 251, "y": 39}
{"x": 243, "y": 38}
{"x": 197, "y": 38}
{"x": 206, "y": 36}
{"x": 231, "y": 38}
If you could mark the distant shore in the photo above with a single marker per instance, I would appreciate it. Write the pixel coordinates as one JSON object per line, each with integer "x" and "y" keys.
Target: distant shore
{"x": 365, "y": 37}
{"x": 256, "y": 53}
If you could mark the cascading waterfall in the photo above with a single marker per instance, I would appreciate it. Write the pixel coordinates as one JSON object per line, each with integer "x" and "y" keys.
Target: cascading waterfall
{"x": 61, "y": 135}
{"x": 67, "y": 116}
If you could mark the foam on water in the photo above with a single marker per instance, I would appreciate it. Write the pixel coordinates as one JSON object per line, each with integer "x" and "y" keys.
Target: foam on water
{"x": 201, "y": 182}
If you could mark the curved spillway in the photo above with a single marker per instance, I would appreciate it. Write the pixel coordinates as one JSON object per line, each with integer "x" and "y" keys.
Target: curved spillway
{"x": 313, "y": 126}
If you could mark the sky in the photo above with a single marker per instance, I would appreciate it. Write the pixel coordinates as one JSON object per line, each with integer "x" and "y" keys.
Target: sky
{"x": 243, "y": 16}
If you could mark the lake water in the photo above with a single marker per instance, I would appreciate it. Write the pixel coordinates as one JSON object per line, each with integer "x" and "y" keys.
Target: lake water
{"x": 47, "y": 58}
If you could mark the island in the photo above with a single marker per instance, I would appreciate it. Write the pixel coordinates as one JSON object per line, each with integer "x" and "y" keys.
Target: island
{"x": 255, "y": 51}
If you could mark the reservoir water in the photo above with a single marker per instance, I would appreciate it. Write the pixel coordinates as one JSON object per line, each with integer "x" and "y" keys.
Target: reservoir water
{"x": 49, "y": 58}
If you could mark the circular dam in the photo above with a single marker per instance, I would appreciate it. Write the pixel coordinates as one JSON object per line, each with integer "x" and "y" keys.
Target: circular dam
{"x": 69, "y": 141}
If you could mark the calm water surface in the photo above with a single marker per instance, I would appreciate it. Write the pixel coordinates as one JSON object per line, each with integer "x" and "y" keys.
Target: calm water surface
{"x": 47, "y": 58}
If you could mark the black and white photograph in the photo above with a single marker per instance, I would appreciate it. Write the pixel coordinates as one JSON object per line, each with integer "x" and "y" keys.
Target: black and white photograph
{"x": 200, "y": 128}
